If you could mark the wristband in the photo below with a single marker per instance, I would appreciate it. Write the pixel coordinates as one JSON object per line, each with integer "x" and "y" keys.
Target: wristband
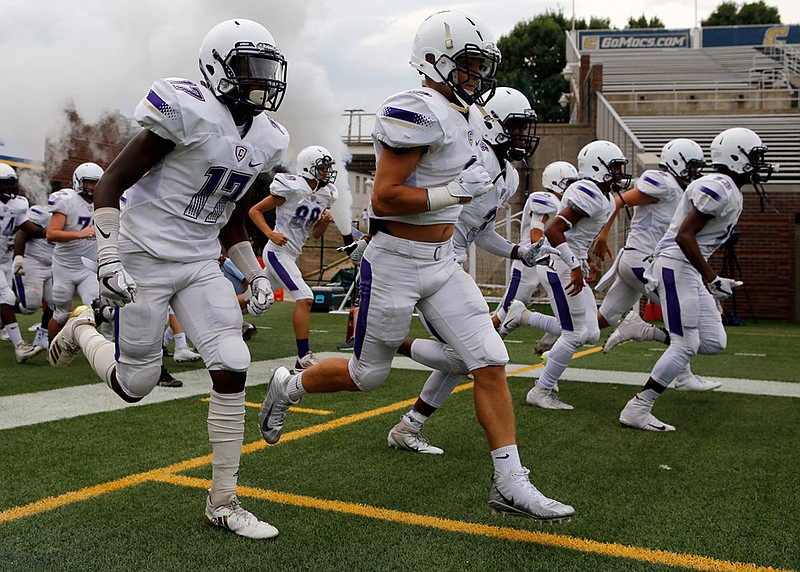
{"x": 106, "y": 223}
{"x": 439, "y": 198}
{"x": 565, "y": 253}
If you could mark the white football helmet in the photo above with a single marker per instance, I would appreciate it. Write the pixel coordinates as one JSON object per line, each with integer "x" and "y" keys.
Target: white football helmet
{"x": 683, "y": 158}
{"x": 8, "y": 182}
{"x": 316, "y": 162}
{"x": 559, "y": 175}
{"x": 741, "y": 151}
{"x": 83, "y": 173}
{"x": 454, "y": 40}
{"x": 510, "y": 121}
{"x": 602, "y": 161}
{"x": 242, "y": 66}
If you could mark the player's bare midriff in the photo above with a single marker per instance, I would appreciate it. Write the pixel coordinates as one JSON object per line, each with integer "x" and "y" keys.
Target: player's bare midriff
{"x": 428, "y": 233}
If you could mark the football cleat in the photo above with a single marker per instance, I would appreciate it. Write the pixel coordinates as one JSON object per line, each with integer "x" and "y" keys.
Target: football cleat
{"x": 687, "y": 381}
{"x": 4, "y": 337}
{"x": 404, "y": 438}
{"x": 249, "y": 331}
{"x": 636, "y": 415}
{"x": 24, "y": 351}
{"x": 632, "y": 327}
{"x": 276, "y": 404}
{"x": 545, "y": 343}
{"x": 306, "y": 361}
{"x": 233, "y": 517}
{"x": 544, "y": 398}
{"x": 64, "y": 347}
{"x": 41, "y": 339}
{"x": 185, "y": 354}
{"x": 166, "y": 379}
{"x": 514, "y": 495}
{"x": 513, "y": 318}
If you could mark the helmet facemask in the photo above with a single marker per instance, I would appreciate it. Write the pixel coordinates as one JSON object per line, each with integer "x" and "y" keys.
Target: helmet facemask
{"x": 470, "y": 73}
{"x": 519, "y": 131}
{"x": 255, "y": 77}
{"x": 322, "y": 170}
{"x": 8, "y": 189}
{"x": 757, "y": 168}
{"x": 616, "y": 175}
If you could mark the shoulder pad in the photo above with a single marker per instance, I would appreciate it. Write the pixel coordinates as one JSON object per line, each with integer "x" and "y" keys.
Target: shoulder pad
{"x": 411, "y": 119}
{"x": 711, "y": 194}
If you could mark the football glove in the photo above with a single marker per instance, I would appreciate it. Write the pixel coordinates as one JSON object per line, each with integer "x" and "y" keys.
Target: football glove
{"x": 355, "y": 250}
{"x": 261, "y": 297}
{"x": 471, "y": 183}
{"x": 18, "y": 266}
{"x": 722, "y": 288}
{"x": 117, "y": 288}
{"x": 538, "y": 253}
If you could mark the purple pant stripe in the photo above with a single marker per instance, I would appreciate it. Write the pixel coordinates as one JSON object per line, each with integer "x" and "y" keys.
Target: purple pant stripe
{"x": 116, "y": 335}
{"x": 434, "y": 332}
{"x": 639, "y": 273}
{"x": 562, "y": 306}
{"x": 281, "y": 271}
{"x": 673, "y": 303}
{"x": 363, "y": 309}
{"x": 513, "y": 287}
{"x": 20, "y": 291}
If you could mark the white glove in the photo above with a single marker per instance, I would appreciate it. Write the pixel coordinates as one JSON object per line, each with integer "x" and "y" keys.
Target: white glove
{"x": 539, "y": 253}
{"x": 117, "y": 288}
{"x": 18, "y": 266}
{"x": 721, "y": 288}
{"x": 355, "y": 250}
{"x": 472, "y": 182}
{"x": 261, "y": 297}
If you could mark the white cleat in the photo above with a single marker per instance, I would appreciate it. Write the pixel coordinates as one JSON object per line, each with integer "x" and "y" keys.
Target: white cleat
{"x": 632, "y": 327}
{"x": 233, "y": 517}
{"x": 545, "y": 343}
{"x": 514, "y": 495}
{"x": 687, "y": 381}
{"x": 41, "y": 339}
{"x": 4, "y": 337}
{"x": 513, "y": 318}
{"x": 185, "y": 354}
{"x": 276, "y": 403}
{"x": 544, "y": 398}
{"x": 24, "y": 351}
{"x": 403, "y": 437}
{"x": 64, "y": 347}
{"x": 306, "y": 361}
{"x": 636, "y": 415}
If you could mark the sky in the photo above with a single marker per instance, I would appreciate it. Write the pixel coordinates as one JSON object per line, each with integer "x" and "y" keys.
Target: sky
{"x": 342, "y": 54}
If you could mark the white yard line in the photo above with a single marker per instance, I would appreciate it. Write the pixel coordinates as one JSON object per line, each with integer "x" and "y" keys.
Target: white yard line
{"x": 69, "y": 402}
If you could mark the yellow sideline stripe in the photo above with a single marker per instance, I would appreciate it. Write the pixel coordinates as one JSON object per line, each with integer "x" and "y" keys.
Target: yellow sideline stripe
{"x": 538, "y": 365}
{"x": 608, "y": 549}
{"x": 297, "y": 409}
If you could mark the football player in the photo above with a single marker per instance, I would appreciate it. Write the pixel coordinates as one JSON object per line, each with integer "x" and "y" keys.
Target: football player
{"x": 190, "y": 171}
{"x": 688, "y": 288}
{"x": 13, "y": 216}
{"x": 301, "y": 204}
{"x": 426, "y": 168}
{"x": 72, "y": 231}
{"x": 654, "y": 200}
{"x": 585, "y": 208}
{"x": 509, "y": 134}
{"x": 539, "y": 209}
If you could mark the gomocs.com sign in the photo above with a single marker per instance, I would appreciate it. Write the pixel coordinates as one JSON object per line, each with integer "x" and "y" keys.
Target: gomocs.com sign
{"x": 629, "y": 39}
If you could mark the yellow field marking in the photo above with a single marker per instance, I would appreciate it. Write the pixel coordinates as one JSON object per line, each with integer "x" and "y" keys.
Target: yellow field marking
{"x": 608, "y": 549}
{"x": 297, "y": 409}
{"x": 538, "y": 365}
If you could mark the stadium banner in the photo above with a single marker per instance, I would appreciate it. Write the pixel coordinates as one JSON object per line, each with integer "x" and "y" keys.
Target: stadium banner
{"x": 633, "y": 39}
{"x": 769, "y": 35}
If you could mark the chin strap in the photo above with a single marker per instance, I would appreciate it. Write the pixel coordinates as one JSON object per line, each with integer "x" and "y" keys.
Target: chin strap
{"x": 762, "y": 197}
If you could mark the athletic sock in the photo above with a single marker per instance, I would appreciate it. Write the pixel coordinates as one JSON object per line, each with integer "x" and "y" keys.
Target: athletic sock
{"x": 99, "y": 351}
{"x": 12, "y": 330}
{"x": 226, "y": 433}
{"x": 303, "y": 347}
{"x": 180, "y": 341}
{"x": 506, "y": 459}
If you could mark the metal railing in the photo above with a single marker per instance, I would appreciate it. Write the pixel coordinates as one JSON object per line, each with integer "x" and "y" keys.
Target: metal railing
{"x": 611, "y": 127}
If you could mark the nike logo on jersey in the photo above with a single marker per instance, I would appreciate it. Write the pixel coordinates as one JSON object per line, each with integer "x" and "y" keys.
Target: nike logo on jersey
{"x": 254, "y": 165}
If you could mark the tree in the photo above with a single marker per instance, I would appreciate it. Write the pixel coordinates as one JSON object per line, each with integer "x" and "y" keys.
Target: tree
{"x": 643, "y": 22}
{"x": 750, "y": 13}
{"x": 534, "y": 55}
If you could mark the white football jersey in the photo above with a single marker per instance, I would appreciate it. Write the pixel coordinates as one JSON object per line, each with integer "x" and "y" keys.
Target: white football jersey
{"x": 40, "y": 249}
{"x": 716, "y": 195}
{"x": 424, "y": 118}
{"x": 300, "y": 211}
{"x": 540, "y": 203}
{"x": 80, "y": 214}
{"x": 585, "y": 197}
{"x": 12, "y": 215}
{"x": 478, "y": 215}
{"x": 176, "y": 210}
{"x": 650, "y": 222}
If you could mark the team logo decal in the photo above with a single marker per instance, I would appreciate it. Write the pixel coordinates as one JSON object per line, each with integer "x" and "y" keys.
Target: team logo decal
{"x": 240, "y": 152}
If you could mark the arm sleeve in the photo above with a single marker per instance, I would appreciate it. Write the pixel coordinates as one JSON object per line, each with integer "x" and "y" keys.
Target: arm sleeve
{"x": 492, "y": 242}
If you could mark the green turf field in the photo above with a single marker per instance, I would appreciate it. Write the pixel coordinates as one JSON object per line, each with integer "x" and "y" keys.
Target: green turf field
{"x": 123, "y": 490}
